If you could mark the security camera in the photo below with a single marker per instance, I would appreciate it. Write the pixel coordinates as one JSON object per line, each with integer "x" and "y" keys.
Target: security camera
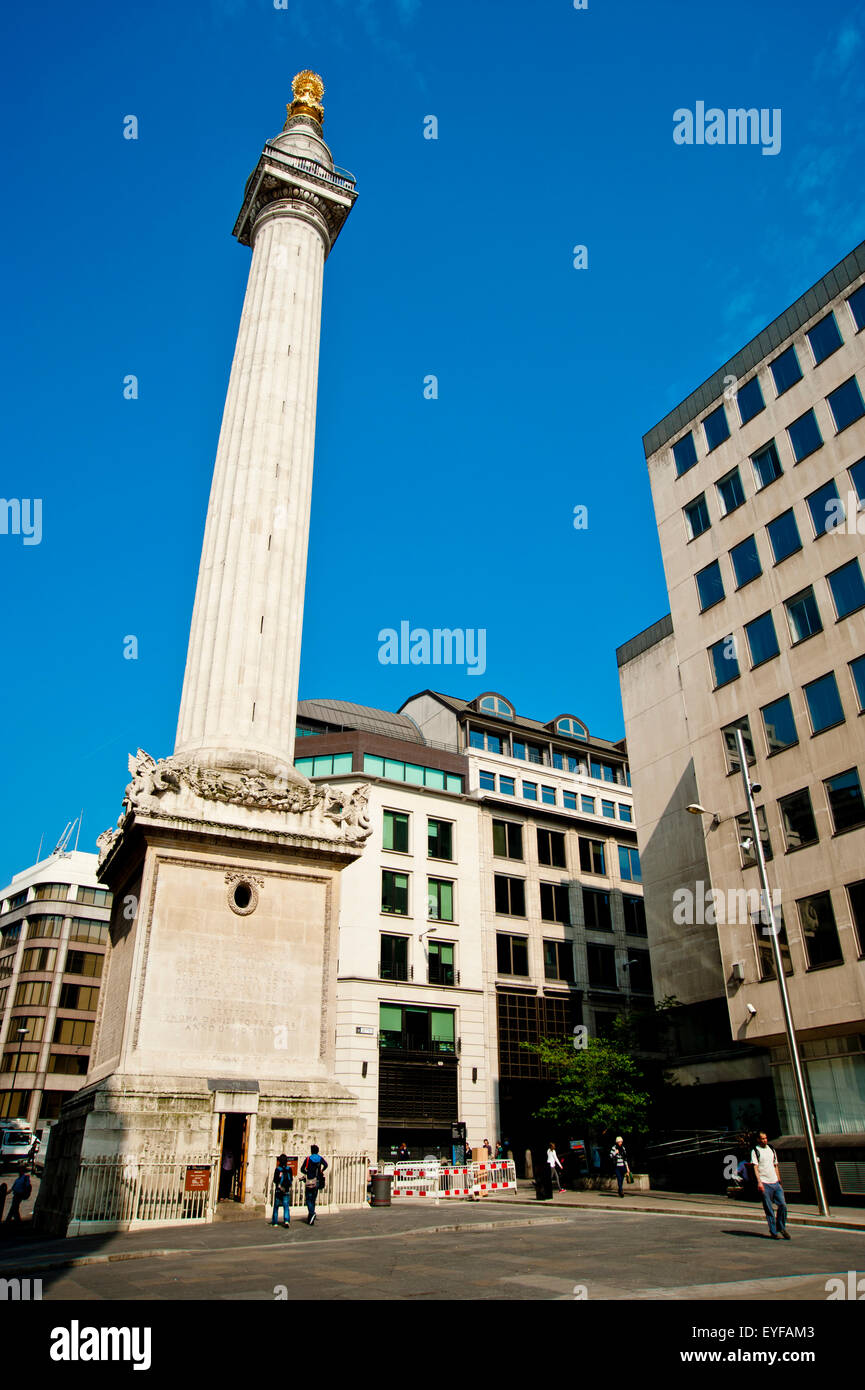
{"x": 751, "y": 1010}
{"x": 756, "y": 788}
{"x": 747, "y": 845}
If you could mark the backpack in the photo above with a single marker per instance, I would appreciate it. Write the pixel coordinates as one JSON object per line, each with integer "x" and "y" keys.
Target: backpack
{"x": 312, "y": 1168}
{"x": 282, "y": 1181}
{"x": 22, "y": 1186}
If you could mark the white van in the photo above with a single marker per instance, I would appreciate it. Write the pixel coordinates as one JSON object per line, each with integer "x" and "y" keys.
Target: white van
{"x": 16, "y": 1141}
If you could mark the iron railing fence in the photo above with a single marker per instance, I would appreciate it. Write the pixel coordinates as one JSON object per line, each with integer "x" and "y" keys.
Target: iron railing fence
{"x": 124, "y": 1190}
{"x": 345, "y": 1183}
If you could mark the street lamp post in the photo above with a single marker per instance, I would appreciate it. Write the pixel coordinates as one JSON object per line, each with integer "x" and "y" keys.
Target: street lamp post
{"x": 793, "y": 1046}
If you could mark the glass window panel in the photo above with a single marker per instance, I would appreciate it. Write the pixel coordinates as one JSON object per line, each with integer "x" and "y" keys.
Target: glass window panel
{"x": 453, "y": 782}
{"x": 548, "y": 795}
{"x": 570, "y": 801}
{"x": 530, "y": 791}
{"x": 395, "y": 833}
{"x": 844, "y": 794}
{"x": 389, "y": 1018}
{"x": 857, "y": 478}
{"x": 587, "y": 805}
{"x": 749, "y": 399}
{"x": 342, "y": 762}
{"x": 625, "y": 813}
{"x": 856, "y": 895}
{"x": 848, "y": 588}
{"x": 857, "y": 307}
{"x": 432, "y": 778}
{"x": 596, "y": 907}
{"x": 797, "y": 819}
{"x": 784, "y": 535}
{"x": 394, "y": 892}
{"x": 476, "y": 738}
{"x": 507, "y": 785}
{"x": 805, "y": 436}
{"x": 442, "y": 1025}
{"x": 716, "y": 428}
{"x": 487, "y": 781}
{"x": 304, "y": 765}
{"x": 374, "y": 766}
{"x": 785, "y": 370}
{"x": 731, "y": 746}
{"x": 824, "y": 703}
{"x": 803, "y": 616}
{"x": 710, "y": 586}
{"x": 697, "y": 516}
{"x": 846, "y": 404}
{"x": 440, "y": 839}
{"x": 746, "y": 845}
{"x": 825, "y": 507}
{"x": 857, "y": 671}
{"x": 766, "y": 465}
{"x": 762, "y": 639}
{"x": 685, "y": 453}
{"x": 825, "y": 338}
{"x": 779, "y": 725}
{"x": 731, "y": 494}
{"x": 725, "y": 662}
{"x": 819, "y": 932}
{"x": 746, "y": 561}
{"x": 393, "y": 770}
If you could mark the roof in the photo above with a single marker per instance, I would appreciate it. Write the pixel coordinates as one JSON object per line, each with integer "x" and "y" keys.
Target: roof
{"x": 649, "y": 637}
{"x": 345, "y": 715}
{"x": 833, "y": 283}
{"x": 519, "y": 721}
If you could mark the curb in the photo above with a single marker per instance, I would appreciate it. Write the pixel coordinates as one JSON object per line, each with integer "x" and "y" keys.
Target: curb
{"x": 831, "y": 1223}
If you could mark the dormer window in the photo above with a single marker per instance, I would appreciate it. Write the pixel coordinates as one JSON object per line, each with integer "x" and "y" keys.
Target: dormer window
{"x": 572, "y": 728}
{"x": 494, "y": 704}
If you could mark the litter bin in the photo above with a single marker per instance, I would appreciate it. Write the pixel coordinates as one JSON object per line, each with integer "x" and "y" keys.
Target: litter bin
{"x": 381, "y": 1184}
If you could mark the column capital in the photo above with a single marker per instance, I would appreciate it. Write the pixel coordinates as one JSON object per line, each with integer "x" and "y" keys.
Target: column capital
{"x": 322, "y": 195}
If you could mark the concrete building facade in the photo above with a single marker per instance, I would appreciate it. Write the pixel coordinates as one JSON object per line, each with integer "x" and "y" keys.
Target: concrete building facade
{"x": 758, "y": 483}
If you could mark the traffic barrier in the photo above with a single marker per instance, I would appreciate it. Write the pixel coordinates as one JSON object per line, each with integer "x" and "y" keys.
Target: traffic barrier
{"x": 456, "y": 1182}
{"x": 445, "y": 1180}
{"x": 416, "y": 1180}
{"x": 496, "y": 1175}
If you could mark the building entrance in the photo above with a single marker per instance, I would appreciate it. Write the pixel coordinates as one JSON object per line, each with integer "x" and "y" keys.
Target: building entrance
{"x": 233, "y": 1146}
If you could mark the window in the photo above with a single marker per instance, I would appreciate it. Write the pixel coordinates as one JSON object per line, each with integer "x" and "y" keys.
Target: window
{"x": 635, "y": 915}
{"x": 395, "y": 834}
{"x": 710, "y": 586}
{"x": 856, "y": 302}
{"x": 485, "y": 738}
{"x": 529, "y": 752}
{"x": 856, "y": 895}
{"x": 440, "y": 900}
{"x": 640, "y": 972}
{"x": 749, "y": 399}
{"x": 819, "y": 932}
{"x": 779, "y": 725}
{"x": 731, "y": 494}
{"x": 548, "y": 795}
{"x": 763, "y": 938}
{"x": 762, "y": 639}
{"x": 12, "y": 933}
{"x": 551, "y": 848}
{"x": 7, "y": 965}
{"x": 592, "y": 856}
{"x": 766, "y": 465}
{"x": 47, "y": 891}
{"x": 625, "y": 813}
{"x": 565, "y": 762}
{"x": 78, "y": 997}
{"x": 35, "y": 1026}
{"x": 587, "y": 805}
{"x": 602, "y": 966}
{"x": 569, "y": 800}
{"x": 89, "y": 930}
{"x": 555, "y": 904}
{"x": 746, "y": 562}
{"x": 559, "y": 961}
{"x": 857, "y": 478}
{"x": 495, "y": 705}
{"x": 99, "y": 897}
{"x": 749, "y": 858}
{"x": 629, "y": 864}
{"x": 685, "y": 453}
{"x": 805, "y": 436}
{"x": 608, "y": 809}
{"x": 67, "y": 1064}
{"x": 394, "y": 958}
{"x": 848, "y": 589}
{"x": 731, "y": 747}
{"x": 725, "y": 662}
{"x": 32, "y": 992}
{"x": 784, "y": 536}
{"x": 510, "y": 896}
{"x": 596, "y": 908}
{"x": 785, "y": 370}
{"x": 827, "y": 511}
{"x": 797, "y": 819}
{"x": 441, "y": 963}
{"x": 857, "y": 671}
{"x": 572, "y": 727}
{"x": 17, "y": 900}
{"x": 74, "y": 1032}
{"x": 803, "y": 616}
{"x": 440, "y": 839}
{"x": 412, "y": 773}
{"x": 45, "y": 926}
{"x": 507, "y": 786}
{"x": 20, "y": 1061}
{"x": 507, "y": 839}
{"x": 696, "y": 517}
{"x": 84, "y": 963}
{"x": 825, "y": 338}
{"x": 716, "y": 428}
{"x": 512, "y": 954}
{"x": 394, "y": 892}
{"x": 824, "y": 703}
{"x": 846, "y": 404}
{"x": 325, "y": 766}
{"x": 530, "y": 791}
{"x": 487, "y": 781}
{"x": 844, "y": 794}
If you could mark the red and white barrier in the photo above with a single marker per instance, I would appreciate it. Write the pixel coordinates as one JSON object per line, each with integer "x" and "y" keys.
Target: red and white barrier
{"x": 437, "y": 1180}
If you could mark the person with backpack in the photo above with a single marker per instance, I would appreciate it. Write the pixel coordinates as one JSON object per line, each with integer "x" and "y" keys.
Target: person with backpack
{"x": 21, "y": 1189}
{"x": 313, "y": 1170}
{"x": 282, "y": 1179}
{"x": 764, "y": 1161}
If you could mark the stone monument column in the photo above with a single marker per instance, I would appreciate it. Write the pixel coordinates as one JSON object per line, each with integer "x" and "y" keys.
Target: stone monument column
{"x": 216, "y": 1015}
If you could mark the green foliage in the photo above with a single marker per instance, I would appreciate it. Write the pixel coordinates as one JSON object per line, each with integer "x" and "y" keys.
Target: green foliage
{"x": 599, "y": 1086}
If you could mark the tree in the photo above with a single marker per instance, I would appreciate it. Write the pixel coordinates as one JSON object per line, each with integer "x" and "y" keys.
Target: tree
{"x": 599, "y": 1086}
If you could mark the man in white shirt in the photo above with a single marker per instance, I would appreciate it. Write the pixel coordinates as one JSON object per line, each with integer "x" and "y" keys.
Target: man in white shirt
{"x": 765, "y": 1163}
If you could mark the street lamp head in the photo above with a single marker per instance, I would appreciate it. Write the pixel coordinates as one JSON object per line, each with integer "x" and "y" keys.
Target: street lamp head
{"x": 696, "y": 809}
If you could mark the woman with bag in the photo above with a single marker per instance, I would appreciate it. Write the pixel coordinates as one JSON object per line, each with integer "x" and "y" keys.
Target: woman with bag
{"x": 619, "y": 1159}
{"x": 312, "y": 1169}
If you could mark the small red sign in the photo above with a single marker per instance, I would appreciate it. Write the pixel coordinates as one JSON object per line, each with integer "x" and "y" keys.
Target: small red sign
{"x": 197, "y": 1178}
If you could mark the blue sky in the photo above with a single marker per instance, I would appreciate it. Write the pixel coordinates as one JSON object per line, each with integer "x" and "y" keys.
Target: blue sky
{"x": 555, "y": 129}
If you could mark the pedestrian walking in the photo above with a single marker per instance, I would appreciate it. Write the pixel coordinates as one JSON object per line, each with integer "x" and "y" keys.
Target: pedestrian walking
{"x": 555, "y": 1166}
{"x": 282, "y": 1179}
{"x": 764, "y": 1161}
{"x": 31, "y": 1154}
{"x": 21, "y": 1189}
{"x": 619, "y": 1159}
{"x": 313, "y": 1171}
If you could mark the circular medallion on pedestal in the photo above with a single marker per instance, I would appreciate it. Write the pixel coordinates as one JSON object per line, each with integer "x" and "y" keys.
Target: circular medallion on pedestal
{"x": 242, "y": 893}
